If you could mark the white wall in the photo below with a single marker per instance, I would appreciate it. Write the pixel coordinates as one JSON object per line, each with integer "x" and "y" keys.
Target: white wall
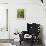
{"x": 34, "y": 12}
{"x": 3, "y": 1}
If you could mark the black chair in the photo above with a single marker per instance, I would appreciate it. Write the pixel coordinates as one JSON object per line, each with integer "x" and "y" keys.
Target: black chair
{"x": 32, "y": 29}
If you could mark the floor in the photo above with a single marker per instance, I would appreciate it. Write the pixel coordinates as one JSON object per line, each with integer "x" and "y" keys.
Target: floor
{"x": 23, "y": 44}
{"x": 5, "y": 44}
{"x": 26, "y": 44}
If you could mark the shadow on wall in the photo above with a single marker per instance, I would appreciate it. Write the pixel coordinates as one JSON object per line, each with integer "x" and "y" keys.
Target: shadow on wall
{"x": 41, "y": 34}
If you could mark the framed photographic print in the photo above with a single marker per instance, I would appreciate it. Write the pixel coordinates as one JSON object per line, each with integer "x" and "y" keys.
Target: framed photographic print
{"x": 20, "y": 13}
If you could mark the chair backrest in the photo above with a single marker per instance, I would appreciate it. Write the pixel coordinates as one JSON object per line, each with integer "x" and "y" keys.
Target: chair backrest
{"x": 33, "y": 28}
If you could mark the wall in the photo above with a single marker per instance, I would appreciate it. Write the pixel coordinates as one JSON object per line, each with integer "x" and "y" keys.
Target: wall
{"x": 3, "y": 1}
{"x": 34, "y": 12}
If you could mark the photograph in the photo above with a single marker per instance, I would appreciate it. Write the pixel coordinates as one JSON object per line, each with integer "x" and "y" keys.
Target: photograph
{"x": 20, "y": 13}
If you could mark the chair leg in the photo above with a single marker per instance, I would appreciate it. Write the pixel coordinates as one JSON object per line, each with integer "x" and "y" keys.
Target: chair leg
{"x": 32, "y": 42}
{"x": 20, "y": 42}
